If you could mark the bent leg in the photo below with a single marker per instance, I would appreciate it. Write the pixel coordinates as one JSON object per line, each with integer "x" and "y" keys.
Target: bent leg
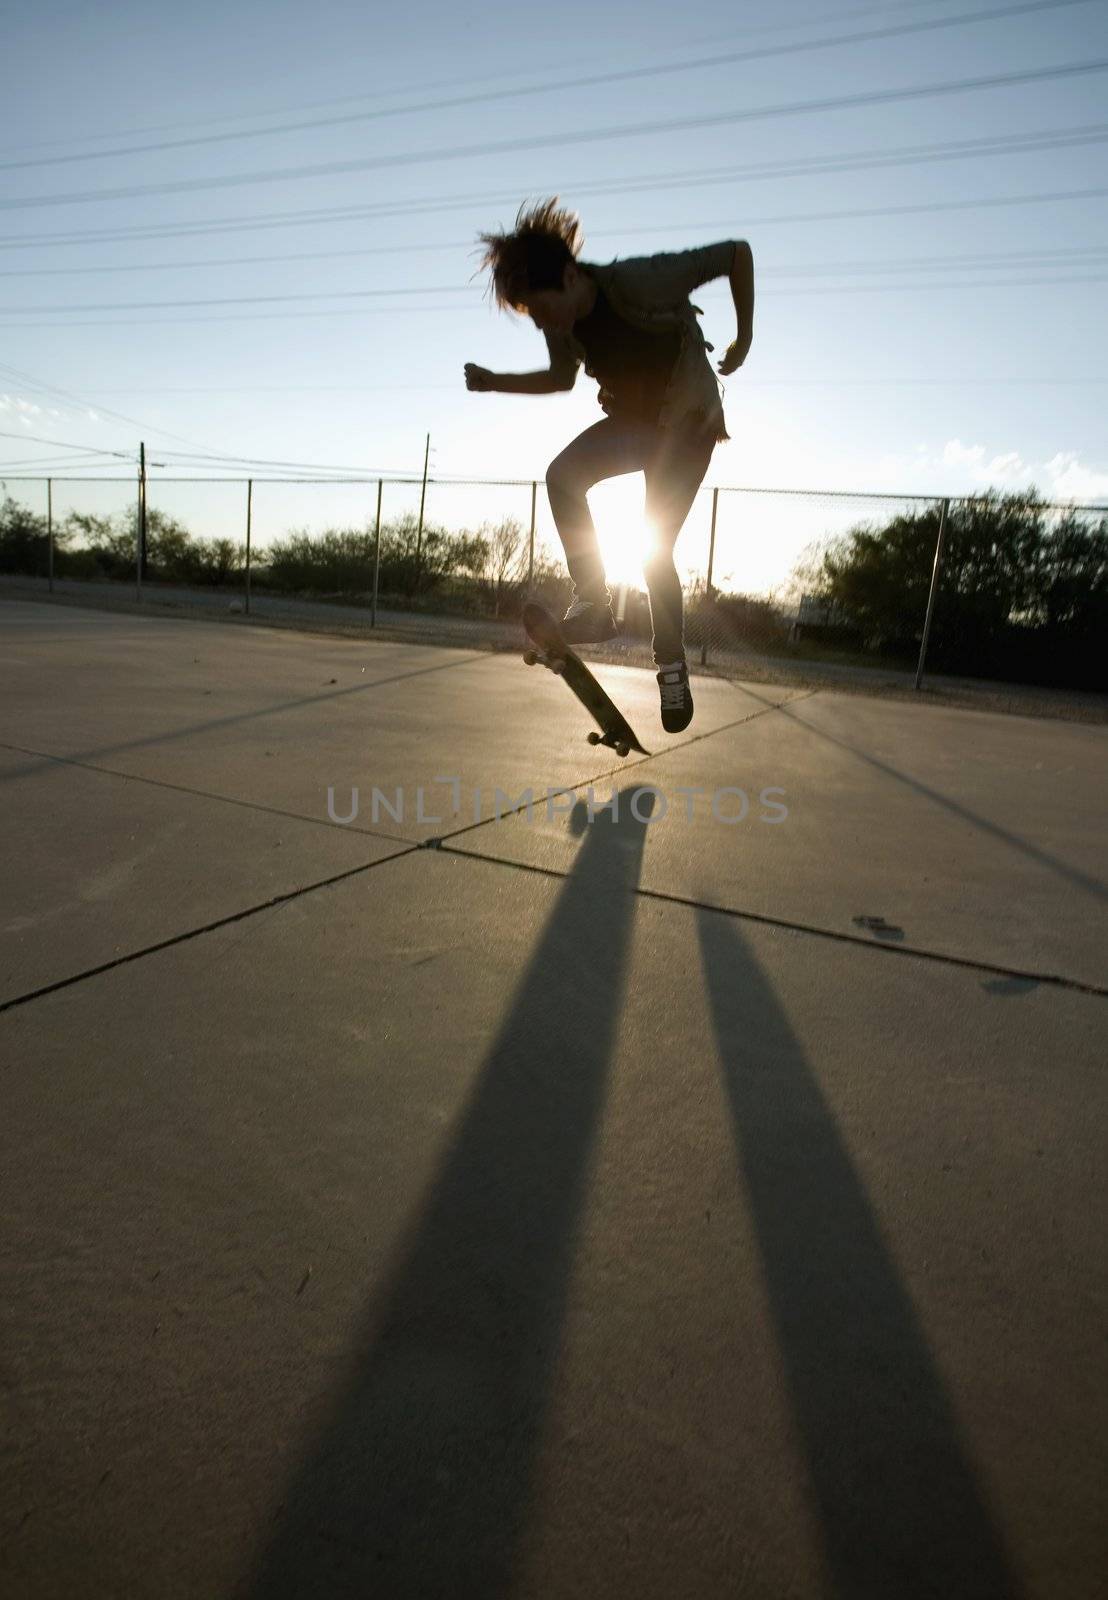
{"x": 673, "y": 479}
{"x": 606, "y": 450}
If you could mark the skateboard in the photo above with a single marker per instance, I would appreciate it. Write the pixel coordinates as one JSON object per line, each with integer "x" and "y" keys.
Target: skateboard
{"x": 553, "y": 652}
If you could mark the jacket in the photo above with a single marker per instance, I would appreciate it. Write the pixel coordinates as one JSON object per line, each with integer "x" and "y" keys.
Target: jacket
{"x": 652, "y": 292}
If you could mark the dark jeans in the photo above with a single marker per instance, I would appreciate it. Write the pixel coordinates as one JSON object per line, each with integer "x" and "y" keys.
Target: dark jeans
{"x": 674, "y": 468}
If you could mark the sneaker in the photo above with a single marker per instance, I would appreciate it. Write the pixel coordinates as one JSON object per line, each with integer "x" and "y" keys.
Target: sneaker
{"x": 588, "y": 622}
{"x": 677, "y": 700}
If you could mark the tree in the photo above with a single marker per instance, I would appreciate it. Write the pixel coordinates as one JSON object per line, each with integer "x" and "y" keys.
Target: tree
{"x": 506, "y": 556}
{"x": 1021, "y": 592}
{"x": 109, "y": 544}
{"x": 24, "y": 539}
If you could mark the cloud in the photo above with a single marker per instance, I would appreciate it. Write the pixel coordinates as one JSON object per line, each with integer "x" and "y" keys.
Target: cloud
{"x": 1006, "y": 468}
{"x": 27, "y": 409}
{"x": 967, "y": 468}
{"x": 1069, "y": 480}
{"x": 956, "y": 454}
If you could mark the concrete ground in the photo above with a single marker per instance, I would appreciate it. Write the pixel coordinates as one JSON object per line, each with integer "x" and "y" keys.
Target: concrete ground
{"x": 664, "y": 1200}
{"x": 806, "y": 667}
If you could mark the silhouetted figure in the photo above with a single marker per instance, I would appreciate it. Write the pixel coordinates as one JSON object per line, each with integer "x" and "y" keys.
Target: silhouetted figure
{"x": 633, "y": 327}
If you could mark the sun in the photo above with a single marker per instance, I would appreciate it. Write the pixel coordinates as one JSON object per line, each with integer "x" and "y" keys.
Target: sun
{"x": 619, "y": 512}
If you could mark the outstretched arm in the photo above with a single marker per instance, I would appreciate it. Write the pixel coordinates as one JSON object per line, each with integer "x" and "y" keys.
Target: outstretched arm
{"x": 742, "y": 292}
{"x": 481, "y": 378}
{"x": 561, "y": 373}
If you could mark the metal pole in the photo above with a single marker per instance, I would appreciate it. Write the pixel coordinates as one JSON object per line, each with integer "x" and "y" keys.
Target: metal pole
{"x": 50, "y": 531}
{"x": 944, "y": 509}
{"x": 422, "y": 499}
{"x": 531, "y": 539}
{"x": 140, "y": 541}
{"x": 708, "y": 585}
{"x": 376, "y": 558}
{"x": 249, "y": 516}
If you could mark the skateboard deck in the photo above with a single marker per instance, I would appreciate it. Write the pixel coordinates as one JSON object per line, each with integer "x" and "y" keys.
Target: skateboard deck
{"x": 553, "y": 652}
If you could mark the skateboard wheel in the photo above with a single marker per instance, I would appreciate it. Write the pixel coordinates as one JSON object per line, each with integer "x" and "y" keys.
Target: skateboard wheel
{"x": 558, "y": 668}
{"x": 530, "y": 657}
{"x": 623, "y": 750}
{"x": 594, "y": 738}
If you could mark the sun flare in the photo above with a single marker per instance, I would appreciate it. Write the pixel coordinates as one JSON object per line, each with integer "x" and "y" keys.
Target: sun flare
{"x": 618, "y": 510}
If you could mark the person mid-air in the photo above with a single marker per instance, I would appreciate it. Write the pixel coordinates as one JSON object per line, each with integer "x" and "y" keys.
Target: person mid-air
{"x": 631, "y": 324}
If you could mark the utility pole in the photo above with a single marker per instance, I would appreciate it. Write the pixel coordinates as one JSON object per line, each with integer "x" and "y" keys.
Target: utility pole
{"x": 376, "y": 556}
{"x": 140, "y": 565}
{"x": 422, "y": 502}
{"x": 249, "y": 514}
{"x": 944, "y": 512}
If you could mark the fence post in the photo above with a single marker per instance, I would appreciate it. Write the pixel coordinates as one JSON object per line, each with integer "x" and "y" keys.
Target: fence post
{"x": 531, "y": 539}
{"x": 50, "y": 531}
{"x": 376, "y": 558}
{"x": 140, "y": 533}
{"x": 708, "y": 585}
{"x": 943, "y": 511}
{"x": 249, "y": 512}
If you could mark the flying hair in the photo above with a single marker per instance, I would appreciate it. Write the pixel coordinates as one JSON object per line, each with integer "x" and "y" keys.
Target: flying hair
{"x": 533, "y": 256}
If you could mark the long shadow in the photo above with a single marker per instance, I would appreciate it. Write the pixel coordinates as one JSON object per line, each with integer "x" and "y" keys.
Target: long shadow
{"x": 235, "y": 719}
{"x": 420, "y": 1480}
{"x": 1073, "y": 875}
{"x": 894, "y": 1491}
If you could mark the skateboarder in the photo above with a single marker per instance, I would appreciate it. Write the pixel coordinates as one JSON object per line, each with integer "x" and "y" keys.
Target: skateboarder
{"x": 631, "y": 323}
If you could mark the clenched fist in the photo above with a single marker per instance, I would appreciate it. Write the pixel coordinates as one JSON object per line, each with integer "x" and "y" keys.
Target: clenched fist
{"x": 478, "y": 377}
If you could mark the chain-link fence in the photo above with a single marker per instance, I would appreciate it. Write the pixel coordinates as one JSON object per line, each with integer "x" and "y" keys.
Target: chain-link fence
{"x": 993, "y": 586}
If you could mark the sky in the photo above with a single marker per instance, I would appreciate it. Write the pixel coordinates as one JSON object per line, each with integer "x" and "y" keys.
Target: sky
{"x": 246, "y": 235}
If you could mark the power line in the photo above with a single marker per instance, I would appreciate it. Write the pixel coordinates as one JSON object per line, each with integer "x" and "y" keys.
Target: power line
{"x": 586, "y": 136}
{"x": 316, "y": 105}
{"x": 238, "y": 300}
{"x": 827, "y": 269}
{"x": 855, "y": 212}
{"x": 38, "y": 386}
{"x": 905, "y": 155}
{"x": 967, "y": 283}
{"x": 44, "y": 462}
{"x": 952, "y": 380}
{"x": 985, "y": 261}
{"x": 530, "y": 91}
{"x": 265, "y": 316}
{"x": 651, "y": 227}
{"x": 60, "y": 444}
{"x": 185, "y": 459}
{"x": 456, "y": 310}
